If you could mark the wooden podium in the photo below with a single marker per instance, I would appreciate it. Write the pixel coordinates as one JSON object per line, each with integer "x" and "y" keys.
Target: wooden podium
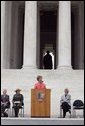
{"x": 40, "y": 103}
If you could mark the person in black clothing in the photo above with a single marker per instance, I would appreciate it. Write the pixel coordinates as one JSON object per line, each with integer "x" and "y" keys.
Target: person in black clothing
{"x": 5, "y": 103}
{"x": 17, "y": 101}
{"x": 47, "y": 61}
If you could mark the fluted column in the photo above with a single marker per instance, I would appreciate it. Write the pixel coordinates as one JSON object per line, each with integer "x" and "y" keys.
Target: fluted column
{"x": 64, "y": 49}
{"x": 30, "y": 34}
{"x": 2, "y": 32}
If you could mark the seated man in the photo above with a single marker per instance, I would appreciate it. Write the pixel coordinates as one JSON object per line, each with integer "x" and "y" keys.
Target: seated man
{"x": 17, "y": 101}
{"x": 39, "y": 84}
{"x": 5, "y": 103}
{"x": 66, "y": 102}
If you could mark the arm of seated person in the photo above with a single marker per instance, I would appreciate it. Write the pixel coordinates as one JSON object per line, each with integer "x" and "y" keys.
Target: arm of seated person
{"x": 62, "y": 100}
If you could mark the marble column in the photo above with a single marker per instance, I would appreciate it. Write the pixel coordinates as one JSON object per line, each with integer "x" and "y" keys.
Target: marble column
{"x": 2, "y": 32}
{"x": 64, "y": 44}
{"x": 30, "y": 34}
{"x": 6, "y": 33}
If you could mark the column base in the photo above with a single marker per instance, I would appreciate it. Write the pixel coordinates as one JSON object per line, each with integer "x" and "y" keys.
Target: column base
{"x": 28, "y": 67}
{"x": 64, "y": 67}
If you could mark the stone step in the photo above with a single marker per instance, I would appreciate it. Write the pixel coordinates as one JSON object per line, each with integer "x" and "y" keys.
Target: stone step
{"x": 41, "y": 121}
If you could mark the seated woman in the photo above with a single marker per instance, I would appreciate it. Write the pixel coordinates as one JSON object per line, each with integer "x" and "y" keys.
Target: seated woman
{"x": 39, "y": 84}
{"x": 5, "y": 103}
{"x": 17, "y": 101}
{"x": 66, "y": 102}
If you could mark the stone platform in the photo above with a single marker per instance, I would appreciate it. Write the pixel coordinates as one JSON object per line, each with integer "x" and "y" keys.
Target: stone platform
{"x": 56, "y": 80}
{"x": 39, "y": 121}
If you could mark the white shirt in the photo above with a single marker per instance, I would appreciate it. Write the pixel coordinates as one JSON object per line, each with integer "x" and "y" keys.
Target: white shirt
{"x": 66, "y": 98}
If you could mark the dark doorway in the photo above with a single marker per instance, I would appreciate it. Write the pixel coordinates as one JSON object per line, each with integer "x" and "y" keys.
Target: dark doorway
{"x": 76, "y": 38}
{"x": 48, "y": 34}
{"x": 20, "y": 41}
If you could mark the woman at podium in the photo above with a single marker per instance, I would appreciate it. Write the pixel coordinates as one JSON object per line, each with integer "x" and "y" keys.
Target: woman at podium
{"x": 40, "y": 84}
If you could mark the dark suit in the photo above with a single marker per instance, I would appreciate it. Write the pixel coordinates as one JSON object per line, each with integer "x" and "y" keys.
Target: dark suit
{"x": 5, "y": 99}
{"x": 47, "y": 61}
{"x": 17, "y": 106}
{"x": 5, "y": 103}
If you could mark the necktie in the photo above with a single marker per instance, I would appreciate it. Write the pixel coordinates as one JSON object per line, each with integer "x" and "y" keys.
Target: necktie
{"x": 65, "y": 95}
